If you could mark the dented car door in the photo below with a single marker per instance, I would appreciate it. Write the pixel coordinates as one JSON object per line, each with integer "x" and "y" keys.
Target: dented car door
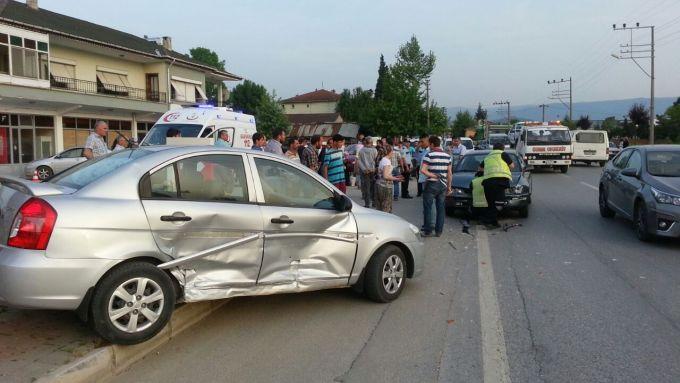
{"x": 308, "y": 243}
{"x": 197, "y": 206}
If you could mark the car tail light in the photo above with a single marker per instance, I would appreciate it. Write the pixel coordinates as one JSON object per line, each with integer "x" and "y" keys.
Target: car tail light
{"x": 607, "y": 151}
{"x": 33, "y": 225}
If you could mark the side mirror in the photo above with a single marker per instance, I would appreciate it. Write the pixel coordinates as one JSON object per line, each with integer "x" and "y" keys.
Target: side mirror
{"x": 57, "y": 157}
{"x": 630, "y": 172}
{"x": 342, "y": 202}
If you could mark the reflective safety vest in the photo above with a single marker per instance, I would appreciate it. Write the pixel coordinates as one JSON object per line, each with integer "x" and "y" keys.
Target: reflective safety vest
{"x": 495, "y": 167}
{"x": 478, "y": 197}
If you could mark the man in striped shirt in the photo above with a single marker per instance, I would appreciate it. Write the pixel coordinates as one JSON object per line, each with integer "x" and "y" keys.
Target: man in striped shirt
{"x": 437, "y": 168}
{"x": 334, "y": 164}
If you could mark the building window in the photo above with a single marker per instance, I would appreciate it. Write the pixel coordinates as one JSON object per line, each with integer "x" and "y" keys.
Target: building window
{"x": 29, "y": 58}
{"x": 63, "y": 75}
{"x": 76, "y": 130}
{"x": 25, "y": 138}
{"x": 113, "y": 83}
{"x": 187, "y": 91}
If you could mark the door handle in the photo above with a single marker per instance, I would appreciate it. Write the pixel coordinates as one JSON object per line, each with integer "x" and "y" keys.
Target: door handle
{"x": 175, "y": 218}
{"x": 282, "y": 220}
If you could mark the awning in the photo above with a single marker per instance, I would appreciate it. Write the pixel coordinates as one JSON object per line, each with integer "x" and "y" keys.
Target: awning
{"x": 62, "y": 70}
{"x": 184, "y": 91}
{"x": 111, "y": 81}
{"x": 201, "y": 92}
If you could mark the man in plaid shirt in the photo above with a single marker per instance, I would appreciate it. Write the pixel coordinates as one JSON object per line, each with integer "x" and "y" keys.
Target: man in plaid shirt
{"x": 310, "y": 156}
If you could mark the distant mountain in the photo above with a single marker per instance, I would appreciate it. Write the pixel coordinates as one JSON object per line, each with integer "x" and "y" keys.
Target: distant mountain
{"x": 596, "y": 110}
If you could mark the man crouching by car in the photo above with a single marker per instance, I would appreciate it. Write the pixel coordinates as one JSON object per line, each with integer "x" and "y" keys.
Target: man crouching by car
{"x": 497, "y": 168}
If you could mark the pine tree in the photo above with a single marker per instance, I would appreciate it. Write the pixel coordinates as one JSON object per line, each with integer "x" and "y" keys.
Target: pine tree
{"x": 383, "y": 72}
{"x": 480, "y": 115}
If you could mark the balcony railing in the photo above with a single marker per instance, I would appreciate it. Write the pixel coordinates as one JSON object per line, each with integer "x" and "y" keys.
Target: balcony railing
{"x": 95, "y": 87}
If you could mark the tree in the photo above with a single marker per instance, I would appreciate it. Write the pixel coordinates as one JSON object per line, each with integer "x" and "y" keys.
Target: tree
{"x": 210, "y": 58}
{"x": 584, "y": 123}
{"x": 247, "y": 96}
{"x": 252, "y": 98}
{"x": 383, "y": 73}
{"x": 568, "y": 122}
{"x": 462, "y": 122}
{"x": 269, "y": 115}
{"x": 639, "y": 116}
{"x": 669, "y": 124}
{"x": 481, "y": 113}
{"x": 357, "y": 106}
{"x": 413, "y": 65}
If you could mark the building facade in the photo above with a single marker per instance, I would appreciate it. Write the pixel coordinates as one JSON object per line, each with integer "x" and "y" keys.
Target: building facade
{"x": 59, "y": 75}
{"x": 312, "y": 112}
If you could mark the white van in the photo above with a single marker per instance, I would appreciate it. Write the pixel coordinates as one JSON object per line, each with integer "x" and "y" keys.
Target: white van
{"x": 202, "y": 125}
{"x": 590, "y": 146}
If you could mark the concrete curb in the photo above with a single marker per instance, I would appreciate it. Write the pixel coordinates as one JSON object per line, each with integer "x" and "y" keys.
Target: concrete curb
{"x": 108, "y": 361}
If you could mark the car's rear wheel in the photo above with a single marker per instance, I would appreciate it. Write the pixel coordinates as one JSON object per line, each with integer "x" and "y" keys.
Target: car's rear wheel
{"x": 640, "y": 223}
{"x": 603, "y": 163}
{"x": 605, "y": 210}
{"x": 44, "y": 172}
{"x": 132, "y": 303}
{"x": 385, "y": 275}
{"x": 564, "y": 168}
{"x": 523, "y": 212}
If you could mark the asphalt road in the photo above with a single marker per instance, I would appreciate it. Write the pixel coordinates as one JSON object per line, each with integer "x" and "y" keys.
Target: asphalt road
{"x": 566, "y": 297}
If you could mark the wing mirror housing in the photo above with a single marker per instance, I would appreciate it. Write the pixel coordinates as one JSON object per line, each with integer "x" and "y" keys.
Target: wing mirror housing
{"x": 342, "y": 202}
{"x": 630, "y": 172}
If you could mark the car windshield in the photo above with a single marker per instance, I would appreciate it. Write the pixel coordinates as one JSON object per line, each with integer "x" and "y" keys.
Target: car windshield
{"x": 664, "y": 164}
{"x": 470, "y": 163}
{"x": 548, "y": 137}
{"x": 159, "y": 132}
{"x": 503, "y": 139}
{"x": 87, "y": 172}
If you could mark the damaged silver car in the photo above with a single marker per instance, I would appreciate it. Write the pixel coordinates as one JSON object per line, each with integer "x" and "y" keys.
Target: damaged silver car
{"x": 123, "y": 238}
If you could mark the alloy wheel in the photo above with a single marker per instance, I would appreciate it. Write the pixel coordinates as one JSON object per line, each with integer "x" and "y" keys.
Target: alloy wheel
{"x": 393, "y": 274}
{"x": 136, "y": 304}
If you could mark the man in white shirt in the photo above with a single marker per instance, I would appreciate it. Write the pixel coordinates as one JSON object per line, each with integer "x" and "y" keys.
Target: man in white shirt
{"x": 95, "y": 145}
{"x": 456, "y": 148}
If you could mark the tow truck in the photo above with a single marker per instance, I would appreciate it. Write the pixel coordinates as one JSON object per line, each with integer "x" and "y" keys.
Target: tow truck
{"x": 547, "y": 145}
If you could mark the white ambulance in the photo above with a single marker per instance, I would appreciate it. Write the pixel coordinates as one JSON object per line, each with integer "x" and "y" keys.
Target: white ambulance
{"x": 546, "y": 145}
{"x": 202, "y": 125}
{"x": 590, "y": 146}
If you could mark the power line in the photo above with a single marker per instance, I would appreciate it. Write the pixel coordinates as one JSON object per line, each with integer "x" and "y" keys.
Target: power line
{"x": 560, "y": 94}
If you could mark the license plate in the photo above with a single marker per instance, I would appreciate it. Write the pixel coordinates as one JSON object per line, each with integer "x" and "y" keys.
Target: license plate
{"x": 589, "y": 152}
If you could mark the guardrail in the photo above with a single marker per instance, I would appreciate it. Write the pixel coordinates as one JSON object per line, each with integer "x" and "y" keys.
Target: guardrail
{"x": 93, "y": 87}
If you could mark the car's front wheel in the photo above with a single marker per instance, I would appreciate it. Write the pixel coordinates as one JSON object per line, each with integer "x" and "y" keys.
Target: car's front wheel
{"x": 385, "y": 275}
{"x": 605, "y": 210}
{"x": 44, "y": 172}
{"x": 132, "y": 303}
{"x": 564, "y": 168}
{"x": 640, "y": 223}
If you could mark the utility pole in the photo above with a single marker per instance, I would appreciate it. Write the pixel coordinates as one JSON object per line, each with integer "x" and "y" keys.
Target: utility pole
{"x": 560, "y": 94}
{"x": 427, "y": 107}
{"x": 504, "y": 103}
{"x": 543, "y": 106}
{"x": 633, "y": 52}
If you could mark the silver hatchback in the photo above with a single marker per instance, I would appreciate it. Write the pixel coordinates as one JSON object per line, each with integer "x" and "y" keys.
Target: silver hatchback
{"x": 122, "y": 238}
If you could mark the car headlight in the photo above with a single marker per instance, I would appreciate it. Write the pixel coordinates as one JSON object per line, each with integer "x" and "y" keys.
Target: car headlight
{"x": 666, "y": 198}
{"x": 519, "y": 189}
{"x": 414, "y": 228}
{"x": 458, "y": 191}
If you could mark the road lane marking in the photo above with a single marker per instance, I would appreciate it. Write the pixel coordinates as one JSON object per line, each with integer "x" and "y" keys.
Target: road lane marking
{"x": 590, "y": 186}
{"x": 494, "y": 354}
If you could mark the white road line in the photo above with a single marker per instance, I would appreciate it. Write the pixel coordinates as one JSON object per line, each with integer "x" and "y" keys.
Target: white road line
{"x": 494, "y": 355}
{"x": 590, "y": 186}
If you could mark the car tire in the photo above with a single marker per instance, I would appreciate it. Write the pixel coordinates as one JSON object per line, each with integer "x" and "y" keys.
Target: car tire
{"x": 640, "y": 222}
{"x": 603, "y": 163}
{"x": 118, "y": 292}
{"x": 523, "y": 212}
{"x": 386, "y": 268}
{"x": 605, "y": 210}
{"x": 564, "y": 168}
{"x": 44, "y": 172}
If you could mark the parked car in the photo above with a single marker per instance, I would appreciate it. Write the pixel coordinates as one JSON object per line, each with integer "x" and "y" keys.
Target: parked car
{"x": 122, "y": 238}
{"x": 47, "y": 167}
{"x": 498, "y": 138}
{"x": 642, "y": 184}
{"x": 517, "y": 197}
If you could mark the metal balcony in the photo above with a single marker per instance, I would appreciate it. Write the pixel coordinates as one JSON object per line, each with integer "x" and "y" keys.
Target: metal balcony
{"x": 96, "y": 87}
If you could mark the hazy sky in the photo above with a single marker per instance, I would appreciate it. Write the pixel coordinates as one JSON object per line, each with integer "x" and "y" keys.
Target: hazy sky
{"x": 486, "y": 50}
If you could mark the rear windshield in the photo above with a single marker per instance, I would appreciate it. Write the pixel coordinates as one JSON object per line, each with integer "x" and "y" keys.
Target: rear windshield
{"x": 590, "y": 138}
{"x": 159, "y": 132}
{"x": 499, "y": 139}
{"x": 89, "y": 171}
{"x": 664, "y": 164}
{"x": 548, "y": 137}
{"x": 467, "y": 143}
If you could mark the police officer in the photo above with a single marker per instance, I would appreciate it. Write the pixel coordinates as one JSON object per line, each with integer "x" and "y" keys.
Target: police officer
{"x": 497, "y": 175}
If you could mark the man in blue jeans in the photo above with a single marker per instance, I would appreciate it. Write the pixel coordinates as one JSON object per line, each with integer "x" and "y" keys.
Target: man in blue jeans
{"x": 437, "y": 168}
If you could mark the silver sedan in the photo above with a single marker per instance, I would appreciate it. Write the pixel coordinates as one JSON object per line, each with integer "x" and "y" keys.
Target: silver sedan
{"x": 49, "y": 166}
{"x": 123, "y": 238}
